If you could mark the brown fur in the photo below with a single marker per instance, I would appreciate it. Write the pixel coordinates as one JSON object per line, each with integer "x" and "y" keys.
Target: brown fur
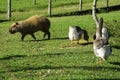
{"x": 30, "y": 26}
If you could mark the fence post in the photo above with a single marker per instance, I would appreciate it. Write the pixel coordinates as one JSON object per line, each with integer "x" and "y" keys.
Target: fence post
{"x": 107, "y": 1}
{"x": 34, "y": 2}
{"x": 80, "y": 7}
{"x": 49, "y": 7}
{"x": 9, "y": 10}
{"x": 94, "y": 13}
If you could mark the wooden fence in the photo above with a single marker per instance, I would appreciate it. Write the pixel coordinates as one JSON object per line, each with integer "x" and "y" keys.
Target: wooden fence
{"x": 49, "y": 7}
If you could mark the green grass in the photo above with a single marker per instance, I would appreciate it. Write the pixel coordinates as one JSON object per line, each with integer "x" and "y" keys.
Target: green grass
{"x": 56, "y": 59}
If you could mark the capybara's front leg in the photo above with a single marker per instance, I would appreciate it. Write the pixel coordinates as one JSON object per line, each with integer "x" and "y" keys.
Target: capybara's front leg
{"x": 23, "y": 36}
{"x": 33, "y": 36}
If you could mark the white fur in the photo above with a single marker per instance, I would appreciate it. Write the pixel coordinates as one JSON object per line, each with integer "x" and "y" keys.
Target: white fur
{"x": 105, "y": 33}
{"x": 73, "y": 34}
{"x": 103, "y": 52}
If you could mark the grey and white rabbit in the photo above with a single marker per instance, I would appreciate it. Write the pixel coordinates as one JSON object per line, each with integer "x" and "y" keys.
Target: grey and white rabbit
{"x": 101, "y": 46}
{"x": 75, "y": 34}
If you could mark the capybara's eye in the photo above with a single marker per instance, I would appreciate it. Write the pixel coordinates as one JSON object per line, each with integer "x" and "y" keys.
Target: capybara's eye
{"x": 16, "y": 23}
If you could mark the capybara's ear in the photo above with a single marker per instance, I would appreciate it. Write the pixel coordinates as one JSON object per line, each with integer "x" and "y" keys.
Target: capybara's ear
{"x": 16, "y": 23}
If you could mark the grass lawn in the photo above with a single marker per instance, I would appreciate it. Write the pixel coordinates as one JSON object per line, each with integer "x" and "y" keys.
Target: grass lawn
{"x": 57, "y": 59}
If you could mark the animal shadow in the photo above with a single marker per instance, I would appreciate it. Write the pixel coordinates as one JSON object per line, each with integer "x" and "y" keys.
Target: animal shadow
{"x": 45, "y": 39}
{"x": 10, "y": 57}
{"x": 35, "y": 40}
{"x": 116, "y": 46}
{"x": 87, "y": 43}
{"x": 4, "y": 20}
{"x": 60, "y": 38}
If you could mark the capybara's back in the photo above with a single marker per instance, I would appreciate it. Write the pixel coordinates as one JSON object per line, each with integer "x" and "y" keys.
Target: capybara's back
{"x": 39, "y": 23}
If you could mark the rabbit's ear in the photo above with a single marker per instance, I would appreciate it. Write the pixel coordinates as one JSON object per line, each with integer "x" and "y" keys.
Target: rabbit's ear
{"x": 101, "y": 22}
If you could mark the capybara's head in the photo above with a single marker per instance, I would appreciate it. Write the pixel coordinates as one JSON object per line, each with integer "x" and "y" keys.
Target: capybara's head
{"x": 14, "y": 28}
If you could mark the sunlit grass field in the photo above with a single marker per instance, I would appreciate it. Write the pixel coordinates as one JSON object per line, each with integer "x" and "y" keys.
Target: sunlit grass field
{"x": 57, "y": 59}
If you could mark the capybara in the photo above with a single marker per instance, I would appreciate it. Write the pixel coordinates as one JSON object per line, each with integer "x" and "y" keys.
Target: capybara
{"x": 30, "y": 26}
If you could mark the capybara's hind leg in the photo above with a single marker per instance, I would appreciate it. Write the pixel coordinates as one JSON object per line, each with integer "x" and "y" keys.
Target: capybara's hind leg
{"x": 33, "y": 36}
{"x": 48, "y": 33}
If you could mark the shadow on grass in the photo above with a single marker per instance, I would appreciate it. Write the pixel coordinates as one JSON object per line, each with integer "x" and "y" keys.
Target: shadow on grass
{"x": 87, "y": 43}
{"x": 34, "y": 40}
{"x": 60, "y": 38}
{"x": 4, "y": 20}
{"x": 89, "y": 11}
{"x": 54, "y": 54}
{"x": 106, "y": 78}
{"x": 46, "y": 67}
{"x": 116, "y": 47}
{"x": 12, "y": 56}
{"x": 46, "y": 39}
{"x": 115, "y": 63}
